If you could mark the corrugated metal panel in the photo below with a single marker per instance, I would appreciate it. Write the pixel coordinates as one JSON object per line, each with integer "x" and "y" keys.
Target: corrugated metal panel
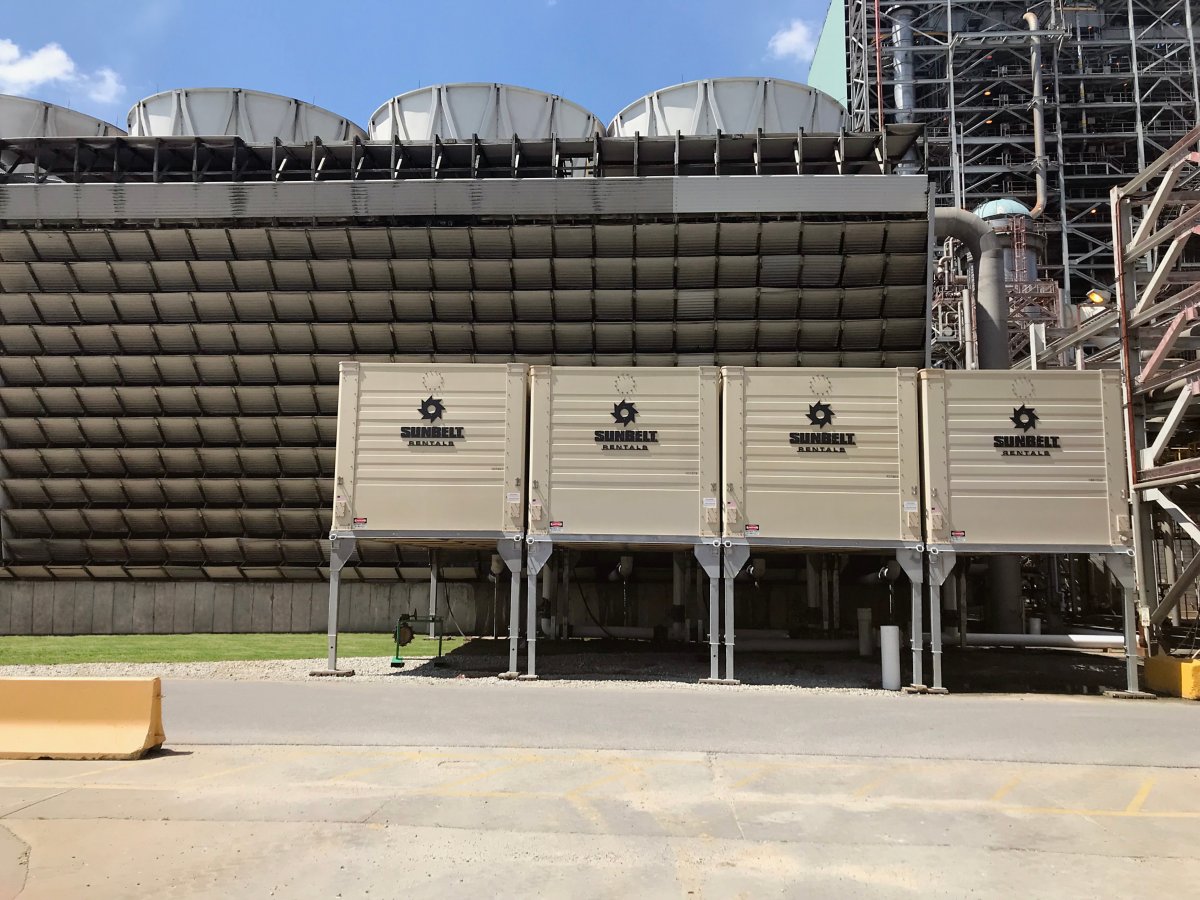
{"x": 526, "y": 197}
{"x": 1035, "y": 462}
{"x": 618, "y": 452}
{"x": 464, "y": 476}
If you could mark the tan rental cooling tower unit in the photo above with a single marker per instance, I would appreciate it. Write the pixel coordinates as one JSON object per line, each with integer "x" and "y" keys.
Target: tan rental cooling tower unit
{"x": 430, "y": 451}
{"x": 821, "y": 457}
{"x": 624, "y": 455}
{"x": 1027, "y": 461}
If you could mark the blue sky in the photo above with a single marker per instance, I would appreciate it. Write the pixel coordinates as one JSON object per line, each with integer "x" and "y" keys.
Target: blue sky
{"x": 351, "y": 56}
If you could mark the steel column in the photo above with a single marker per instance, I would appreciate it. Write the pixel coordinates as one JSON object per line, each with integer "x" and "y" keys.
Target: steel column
{"x": 538, "y": 553}
{"x": 511, "y": 551}
{"x": 342, "y": 550}
{"x": 708, "y": 555}
{"x": 735, "y": 557}
{"x": 912, "y": 560}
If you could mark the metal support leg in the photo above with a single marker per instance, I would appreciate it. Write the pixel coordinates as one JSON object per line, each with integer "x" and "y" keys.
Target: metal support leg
{"x": 913, "y": 562}
{"x": 709, "y": 557}
{"x": 539, "y": 553}
{"x": 511, "y": 551}
{"x": 941, "y": 563}
{"x": 735, "y": 557}
{"x": 342, "y": 550}
{"x": 1123, "y": 570}
{"x": 564, "y": 595}
{"x": 433, "y": 589}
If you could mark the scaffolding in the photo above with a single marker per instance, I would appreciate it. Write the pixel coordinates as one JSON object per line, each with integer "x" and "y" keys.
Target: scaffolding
{"x": 1149, "y": 335}
{"x": 1120, "y": 88}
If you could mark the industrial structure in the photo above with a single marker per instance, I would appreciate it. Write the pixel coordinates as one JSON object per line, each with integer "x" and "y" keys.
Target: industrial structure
{"x": 1148, "y": 337}
{"x": 176, "y": 307}
{"x": 1049, "y": 103}
{"x": 177, "y": 304}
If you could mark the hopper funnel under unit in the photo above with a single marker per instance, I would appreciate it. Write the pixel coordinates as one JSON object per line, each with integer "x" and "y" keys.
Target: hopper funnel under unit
{"x": 731, "y": 106}
{"x": 432, "y": 451}
{"x": 821, "y": 457}
{"x": 455, "y": 112}
{"x": 1032, "y": 461}
{"x": 254, "y": 116}
{"x": 623, "y": 456}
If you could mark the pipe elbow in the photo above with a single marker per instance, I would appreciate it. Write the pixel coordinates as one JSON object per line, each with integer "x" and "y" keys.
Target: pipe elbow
{"x": 950, "y": 222}
{"x": 1031, "y": 19}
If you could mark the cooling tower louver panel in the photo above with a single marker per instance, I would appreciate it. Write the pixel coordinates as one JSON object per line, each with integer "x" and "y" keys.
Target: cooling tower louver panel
{"x": 168, "y": 394}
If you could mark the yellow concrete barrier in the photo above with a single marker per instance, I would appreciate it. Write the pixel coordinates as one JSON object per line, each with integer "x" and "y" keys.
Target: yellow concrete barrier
{"x": 1177, "y": 677}
{"x": 80, "y": 718}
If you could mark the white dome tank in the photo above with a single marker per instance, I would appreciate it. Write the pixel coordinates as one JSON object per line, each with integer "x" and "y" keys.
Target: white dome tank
{"x": 491, "y": 111}
{"x": 254, "y": 116}
{"x": 21, "y": 117}
{"x": 731, "y": 106}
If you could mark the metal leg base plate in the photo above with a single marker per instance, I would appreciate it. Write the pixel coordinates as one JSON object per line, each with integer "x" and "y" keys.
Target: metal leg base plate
{"x": 510, "y": 676}
{"x": 527, "y": 678}
{"x": 719, "y": 681}
{"x": 1130, "y": 695}
{"x": 331, "y": 673}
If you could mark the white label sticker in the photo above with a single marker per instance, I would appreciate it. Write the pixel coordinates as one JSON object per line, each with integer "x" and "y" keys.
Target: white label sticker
{"x": 710, "y": 502}
{"x": 514, "y": 496}
{"x": 910, "y": 506}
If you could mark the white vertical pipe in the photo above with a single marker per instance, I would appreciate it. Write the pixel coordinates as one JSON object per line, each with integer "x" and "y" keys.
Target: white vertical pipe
{"x": 889, "y": 643}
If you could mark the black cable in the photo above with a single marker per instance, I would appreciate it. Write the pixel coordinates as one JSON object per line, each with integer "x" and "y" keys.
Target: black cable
{"x": 583, "y": 597}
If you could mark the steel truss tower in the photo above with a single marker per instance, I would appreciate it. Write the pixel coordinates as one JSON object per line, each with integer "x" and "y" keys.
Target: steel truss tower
{"x": 1119, "y": 89}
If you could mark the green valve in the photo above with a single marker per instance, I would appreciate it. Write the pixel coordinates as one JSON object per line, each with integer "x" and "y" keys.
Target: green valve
{"x": 404, "y": 634}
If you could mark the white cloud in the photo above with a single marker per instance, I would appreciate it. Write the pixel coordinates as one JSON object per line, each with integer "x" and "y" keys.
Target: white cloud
{"x": 797, "y": 42}
{"x": 52, "y": 66}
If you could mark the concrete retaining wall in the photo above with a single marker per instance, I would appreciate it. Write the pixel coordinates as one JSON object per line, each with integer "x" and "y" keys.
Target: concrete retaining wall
{"x": 100, "y": 607}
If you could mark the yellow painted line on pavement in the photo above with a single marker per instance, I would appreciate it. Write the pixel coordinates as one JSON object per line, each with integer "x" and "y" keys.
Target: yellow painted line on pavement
{"x": 1005, "y": 789}
{"x": 759, "y": 773}
{"x": 338, "y": 777}
{"x": 111, "y": 767}
{"x": 870, "y": 786}
{"x": 445, "y": 788}
{"x": 1135, "y": 805}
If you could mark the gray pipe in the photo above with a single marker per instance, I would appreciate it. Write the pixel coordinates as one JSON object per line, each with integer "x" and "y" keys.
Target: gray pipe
{"x": 1039, "y": 120}
{"x": 902, "y": 64}
{"x": 991, "y": 301}
{"x": 1004, "y": 611}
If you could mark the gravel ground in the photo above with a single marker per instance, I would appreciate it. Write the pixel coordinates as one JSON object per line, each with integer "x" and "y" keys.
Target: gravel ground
{"x": 630, "y": 670}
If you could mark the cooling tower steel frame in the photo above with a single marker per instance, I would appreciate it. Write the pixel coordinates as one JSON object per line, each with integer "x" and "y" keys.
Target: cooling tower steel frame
{"x": 1121, "y": 86}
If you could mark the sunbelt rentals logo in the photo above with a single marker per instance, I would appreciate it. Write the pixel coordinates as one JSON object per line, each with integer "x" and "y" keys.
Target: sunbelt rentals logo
{"x": 1025, "y": 420}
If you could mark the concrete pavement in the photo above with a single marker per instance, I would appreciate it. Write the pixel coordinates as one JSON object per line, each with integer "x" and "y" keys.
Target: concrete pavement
{"x": 452, "y": 789}
{"x": 704, "y": 718}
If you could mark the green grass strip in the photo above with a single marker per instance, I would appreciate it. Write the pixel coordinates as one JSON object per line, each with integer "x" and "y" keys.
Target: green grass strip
{"x": 166, "y": 648}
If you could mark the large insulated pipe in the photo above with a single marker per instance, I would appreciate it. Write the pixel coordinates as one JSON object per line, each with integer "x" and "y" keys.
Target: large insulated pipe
{"x": 902, "y": 63}
{"x": 1071, "y": 641}
{"x": 991, "y": 299}
{"x": 1039, "y": 118}
{"x": 1005, "y": 612}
